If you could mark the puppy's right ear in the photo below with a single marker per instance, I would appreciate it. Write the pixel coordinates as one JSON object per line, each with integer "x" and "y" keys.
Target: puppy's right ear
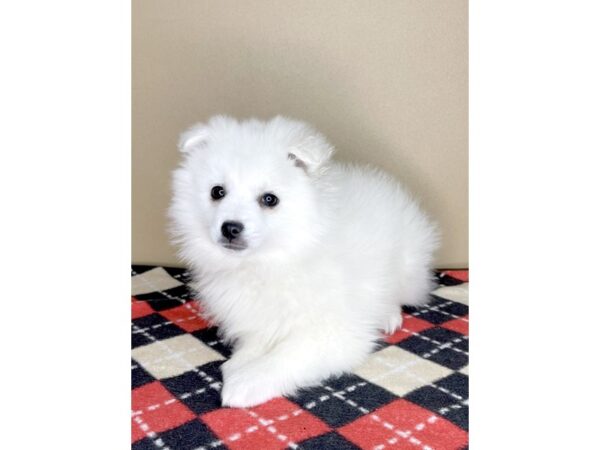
{"x": 194, "y": 138}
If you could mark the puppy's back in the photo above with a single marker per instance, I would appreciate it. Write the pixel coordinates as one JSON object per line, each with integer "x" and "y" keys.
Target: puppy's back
{"x": 380, "y": 233}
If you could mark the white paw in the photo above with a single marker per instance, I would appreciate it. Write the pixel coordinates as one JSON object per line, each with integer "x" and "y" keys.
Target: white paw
{"x": 394, "y": 322}
{"x": 244, "y": 388}
{"x": 233, "y": 364}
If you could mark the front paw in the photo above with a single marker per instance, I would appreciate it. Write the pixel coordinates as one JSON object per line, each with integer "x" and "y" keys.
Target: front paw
{"x": 244, "y": 387}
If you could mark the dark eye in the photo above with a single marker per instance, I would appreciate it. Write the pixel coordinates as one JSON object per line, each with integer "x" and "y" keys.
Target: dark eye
{"x": 269, "y": 200}
{"x": 217, "y": 192}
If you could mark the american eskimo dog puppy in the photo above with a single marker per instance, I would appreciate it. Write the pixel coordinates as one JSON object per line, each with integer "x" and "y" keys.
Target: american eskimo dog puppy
{"x": 301, "y": 261}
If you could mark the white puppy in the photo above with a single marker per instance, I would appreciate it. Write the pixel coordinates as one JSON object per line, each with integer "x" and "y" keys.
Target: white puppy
{"x": 301, "y": 261}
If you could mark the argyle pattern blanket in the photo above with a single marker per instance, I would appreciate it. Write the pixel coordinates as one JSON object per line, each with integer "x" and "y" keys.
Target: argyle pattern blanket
{"x": 412, "y": 393}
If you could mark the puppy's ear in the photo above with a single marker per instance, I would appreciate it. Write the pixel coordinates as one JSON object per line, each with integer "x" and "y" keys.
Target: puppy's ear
{"x": 311, "y": 155}
{"x": 199, "y": 135}
{"x": 309, "y": 149}
{"x": 193, "y": 138}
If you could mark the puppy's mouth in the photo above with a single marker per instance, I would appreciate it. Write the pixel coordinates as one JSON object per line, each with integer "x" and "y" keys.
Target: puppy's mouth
{"x": 234, "y": 245}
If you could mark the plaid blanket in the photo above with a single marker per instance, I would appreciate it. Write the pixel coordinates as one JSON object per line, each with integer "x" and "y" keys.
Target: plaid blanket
{"x": 411, "y": 393}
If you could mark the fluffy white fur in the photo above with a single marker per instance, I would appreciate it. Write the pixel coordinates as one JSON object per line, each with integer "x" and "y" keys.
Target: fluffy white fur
{"x": 324, "y": 271}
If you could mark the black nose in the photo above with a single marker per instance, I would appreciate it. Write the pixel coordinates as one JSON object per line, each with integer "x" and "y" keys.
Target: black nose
{"x": 231, "y": 230}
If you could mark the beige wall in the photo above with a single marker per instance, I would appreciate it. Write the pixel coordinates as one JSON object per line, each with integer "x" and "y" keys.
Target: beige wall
{"x": 386, "y": 81}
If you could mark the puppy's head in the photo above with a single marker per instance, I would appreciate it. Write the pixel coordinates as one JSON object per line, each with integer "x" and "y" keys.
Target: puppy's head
{"x": 248, "y": 188}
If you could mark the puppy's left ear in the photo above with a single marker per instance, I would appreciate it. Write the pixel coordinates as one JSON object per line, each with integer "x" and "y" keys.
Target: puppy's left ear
{"x": 310, "y": 150}
{"x": 193, "y": 138}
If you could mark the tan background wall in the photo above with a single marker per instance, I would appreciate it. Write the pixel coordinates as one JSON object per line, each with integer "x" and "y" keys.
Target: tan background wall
{"x": 386, "y": 81}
